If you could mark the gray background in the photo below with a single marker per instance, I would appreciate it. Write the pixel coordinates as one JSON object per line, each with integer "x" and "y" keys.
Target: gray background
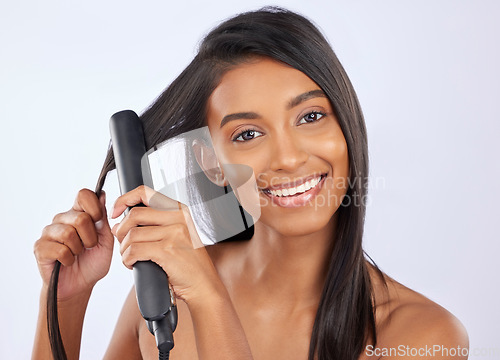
{"x": 427, "y": 77}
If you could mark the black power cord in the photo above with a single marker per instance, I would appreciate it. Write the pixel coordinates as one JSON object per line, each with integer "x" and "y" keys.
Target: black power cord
{"x": 164, "y": 355}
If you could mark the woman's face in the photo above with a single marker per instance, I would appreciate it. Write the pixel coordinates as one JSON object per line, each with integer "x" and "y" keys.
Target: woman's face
{"x": 275, "y": 119}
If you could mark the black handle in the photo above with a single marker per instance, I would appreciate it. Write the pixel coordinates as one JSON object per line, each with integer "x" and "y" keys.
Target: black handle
{"x": 151, "y": 282}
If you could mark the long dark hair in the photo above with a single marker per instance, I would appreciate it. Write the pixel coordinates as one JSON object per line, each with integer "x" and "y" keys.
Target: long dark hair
{"x": 345, "y": 319}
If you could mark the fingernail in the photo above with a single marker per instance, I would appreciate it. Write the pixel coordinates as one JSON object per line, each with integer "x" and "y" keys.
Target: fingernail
{"x": 113, "y": 210}
{"x": 99, "y": 225}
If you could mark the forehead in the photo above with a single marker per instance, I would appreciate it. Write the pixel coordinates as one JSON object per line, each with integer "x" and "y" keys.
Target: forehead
{"x": 256, "y": 86}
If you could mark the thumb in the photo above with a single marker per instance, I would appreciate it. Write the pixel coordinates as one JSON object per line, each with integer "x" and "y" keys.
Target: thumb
{"x": 102, "y": 225}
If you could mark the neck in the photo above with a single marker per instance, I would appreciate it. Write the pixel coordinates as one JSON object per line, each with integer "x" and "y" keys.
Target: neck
{"x": 292, "y": 269}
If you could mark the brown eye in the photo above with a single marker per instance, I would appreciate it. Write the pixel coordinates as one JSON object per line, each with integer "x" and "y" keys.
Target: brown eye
{"x": 312, "y": 117}
{"x": 246, "y": 135}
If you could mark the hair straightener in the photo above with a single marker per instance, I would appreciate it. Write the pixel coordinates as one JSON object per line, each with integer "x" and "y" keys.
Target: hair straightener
{"x": 155, "y": 300}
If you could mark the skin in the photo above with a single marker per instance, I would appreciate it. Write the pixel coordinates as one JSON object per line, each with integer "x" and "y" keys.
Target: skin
{"x": 244, "y": 300}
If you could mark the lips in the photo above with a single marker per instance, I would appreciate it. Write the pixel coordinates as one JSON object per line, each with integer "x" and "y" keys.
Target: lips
{"x": 309, "y": 180}
{"x": 298, "y": 199}
{"x": 293, "y": 184}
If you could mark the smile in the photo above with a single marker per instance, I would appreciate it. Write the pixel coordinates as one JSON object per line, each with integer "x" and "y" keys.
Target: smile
{"x": 295, "y": 196}
{"x": 291, "y": 191}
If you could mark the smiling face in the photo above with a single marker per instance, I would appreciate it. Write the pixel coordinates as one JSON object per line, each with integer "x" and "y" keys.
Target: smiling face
{"x": 275, "y": 119}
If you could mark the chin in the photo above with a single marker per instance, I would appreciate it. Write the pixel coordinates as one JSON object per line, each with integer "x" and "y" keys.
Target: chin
{"x": 292, "y": 227}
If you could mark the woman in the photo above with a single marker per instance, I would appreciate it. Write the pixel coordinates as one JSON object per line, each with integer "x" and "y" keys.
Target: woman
{"x": 274, "y": 97}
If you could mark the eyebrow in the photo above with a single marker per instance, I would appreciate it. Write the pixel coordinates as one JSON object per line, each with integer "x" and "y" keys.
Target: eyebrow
{"x": 291, "y": 104}
{"x": 305, "y": 96}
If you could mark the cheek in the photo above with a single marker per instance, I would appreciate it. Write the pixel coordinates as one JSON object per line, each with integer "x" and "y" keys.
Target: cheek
{"x": 340, "y": 156}
{"x": 228, "y": 154}
{"x": 331, "y": 147}
{"x": 341, "y": 168}
{"x": 239, "y": 167}
{"x": 239, "y": 170}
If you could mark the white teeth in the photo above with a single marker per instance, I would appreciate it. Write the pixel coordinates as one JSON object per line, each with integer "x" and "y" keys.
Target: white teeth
{"x": 308, "y": 185}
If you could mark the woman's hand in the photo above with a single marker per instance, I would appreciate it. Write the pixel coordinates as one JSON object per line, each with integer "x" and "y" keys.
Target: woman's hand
{"x": 81, "y": 240}
{"x": 163, "y": 232}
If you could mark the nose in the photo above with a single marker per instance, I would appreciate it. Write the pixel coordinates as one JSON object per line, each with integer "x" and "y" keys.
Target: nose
{"x": 288, "y": 153}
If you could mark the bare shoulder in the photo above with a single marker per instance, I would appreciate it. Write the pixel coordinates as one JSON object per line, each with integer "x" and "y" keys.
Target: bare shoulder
{"x": 414, "y": 326}
{"x": 125, "y": 339}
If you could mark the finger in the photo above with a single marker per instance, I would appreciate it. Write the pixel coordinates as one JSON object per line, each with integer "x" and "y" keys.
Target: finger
{"x": 144, "y": 216}
{"x": 190, "y": 226}
{"x": 171, "y": 220}
{"x": 87, "y": 201}
{"x": 65, "y": 235}
{"x": 142, "y": 234}
{"x": 102, "y": 225}
{"x": 47, "y": 252}
{"x": 143, "y": 251}
{"x": 142, "y": 195}
{"x": 113, "y": 230}
{"x": 176, "y": 235}
{"x": 83, "y": 223}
